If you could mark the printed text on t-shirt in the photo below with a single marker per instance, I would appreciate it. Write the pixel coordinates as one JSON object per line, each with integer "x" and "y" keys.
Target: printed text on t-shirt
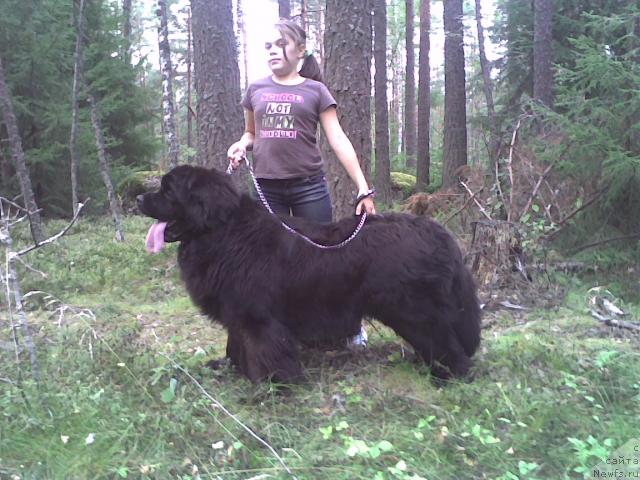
{"x": 277, "y": 121}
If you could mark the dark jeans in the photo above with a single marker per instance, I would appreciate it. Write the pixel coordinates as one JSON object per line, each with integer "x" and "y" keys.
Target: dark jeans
{"x": 306, "y": 197}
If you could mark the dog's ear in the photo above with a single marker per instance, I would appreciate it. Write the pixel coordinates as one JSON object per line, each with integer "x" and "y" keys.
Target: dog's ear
{"x": 212, "y": 199}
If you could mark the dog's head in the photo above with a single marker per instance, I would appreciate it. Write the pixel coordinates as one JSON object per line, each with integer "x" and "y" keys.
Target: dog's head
{"x": 190, "y": 201}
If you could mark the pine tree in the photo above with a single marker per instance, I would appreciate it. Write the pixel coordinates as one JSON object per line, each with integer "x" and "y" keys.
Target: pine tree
{"x": 410, "y": 91}
{"x": 424, "y": 98}
{"x": 220, "y": 116}
{"x": 19, "y": 161}
{"x": 543, "y": 52}
{"x": 284, "y": 8}
{"x": 105, "y": 167}
{"x": 383, "y": 164}
{"x": 487, "y": 85}
{"x": 78, "y": 79}
{"x": 455, "y": 113}
{"x": 166, "y": 68}
{"x": 348, "y": 46}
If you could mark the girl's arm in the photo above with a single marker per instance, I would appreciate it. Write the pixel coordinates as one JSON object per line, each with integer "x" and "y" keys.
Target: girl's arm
{"x": 238, "y": 150}
{"x": 347, "y": 155}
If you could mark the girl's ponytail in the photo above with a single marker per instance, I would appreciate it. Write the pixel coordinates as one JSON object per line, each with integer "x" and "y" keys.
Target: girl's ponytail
{"x": 311, "y": 69}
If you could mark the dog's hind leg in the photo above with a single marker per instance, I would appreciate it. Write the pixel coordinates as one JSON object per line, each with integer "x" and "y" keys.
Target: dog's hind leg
{"x": 264, "y": 351}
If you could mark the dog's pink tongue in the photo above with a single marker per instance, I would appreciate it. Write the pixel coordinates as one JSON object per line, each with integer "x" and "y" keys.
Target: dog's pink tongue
{"x": 155, "y": 237}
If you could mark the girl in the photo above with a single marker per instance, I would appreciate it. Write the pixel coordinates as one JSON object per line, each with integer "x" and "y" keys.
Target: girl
{"x": 282, "y": 113}
{"x": 284, "y": 109}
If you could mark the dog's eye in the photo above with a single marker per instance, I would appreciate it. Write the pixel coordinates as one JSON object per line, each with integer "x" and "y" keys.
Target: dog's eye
{"x": 169, "y": 194}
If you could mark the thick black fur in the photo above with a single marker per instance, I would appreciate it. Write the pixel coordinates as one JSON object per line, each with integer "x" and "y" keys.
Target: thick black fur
{"x": 273, "y": 291}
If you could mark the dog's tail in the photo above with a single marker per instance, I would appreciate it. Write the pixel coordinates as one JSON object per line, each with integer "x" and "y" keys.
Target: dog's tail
{"x": 467, "y": 325}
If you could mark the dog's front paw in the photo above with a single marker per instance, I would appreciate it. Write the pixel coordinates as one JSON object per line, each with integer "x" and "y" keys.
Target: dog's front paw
{"x": 218, "y": 363}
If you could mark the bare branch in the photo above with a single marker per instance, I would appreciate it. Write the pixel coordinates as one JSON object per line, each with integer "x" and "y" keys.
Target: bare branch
{"x": 463, "y": 206}
{"x": 534, "y": 192}
{"x": 563, "y": 222}
{"x": 612, "y": 322}
{"x": 500, "y": 192}
{"x": 484, "y": 212}
{"x": 58, "y": 235}
{"x": 606, "y": 240}
{"x": 510, "y": 167}
{"x": 13, "y": 204}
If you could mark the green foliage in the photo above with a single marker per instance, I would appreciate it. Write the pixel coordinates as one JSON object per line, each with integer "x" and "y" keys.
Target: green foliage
{"x": 37, "y": 44}
{"x": 600, "y": 116}
{"x": 404, "y": 182}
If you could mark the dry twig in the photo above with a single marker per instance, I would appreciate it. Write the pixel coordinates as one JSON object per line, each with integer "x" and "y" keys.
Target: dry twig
{"x": 58, "y": 235}
{"x": 510, "y": 167}
{"x": 12, "y": 282}
{"x": 484, "y": 212}
{"x": 472, "y": 197}
{"x": 534, "y": 192}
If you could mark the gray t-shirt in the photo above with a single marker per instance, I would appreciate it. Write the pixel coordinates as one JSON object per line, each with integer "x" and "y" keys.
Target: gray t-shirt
{"x": 286, "y": 120}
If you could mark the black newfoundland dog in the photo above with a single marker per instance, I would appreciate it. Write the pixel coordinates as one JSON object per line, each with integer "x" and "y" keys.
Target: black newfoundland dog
{"x": 273, "y": 291}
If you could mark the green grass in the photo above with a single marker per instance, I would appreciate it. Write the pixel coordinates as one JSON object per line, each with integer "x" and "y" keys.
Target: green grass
{"x": 552, "y": 389}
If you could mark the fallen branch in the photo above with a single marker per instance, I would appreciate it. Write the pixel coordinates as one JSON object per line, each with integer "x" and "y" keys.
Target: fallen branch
{"x": 534, "y": 192}
{"x": 510, "y": 167}
{"x": 58, "y": 235}
{"x": 612, "y": 322}
{"x": 498, "y": 183}
{"x": 602, "y": 242}
{"x": 463, "y": 206}
{"x": 484, "y": 212}
{"x": 12, "y": 284}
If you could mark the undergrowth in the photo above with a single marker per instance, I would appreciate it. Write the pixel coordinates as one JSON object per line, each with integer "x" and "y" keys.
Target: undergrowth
{"x": 125, "y": 393}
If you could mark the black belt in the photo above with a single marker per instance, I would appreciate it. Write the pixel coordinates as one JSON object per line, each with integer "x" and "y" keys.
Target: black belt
{"x": 291, "y": 181}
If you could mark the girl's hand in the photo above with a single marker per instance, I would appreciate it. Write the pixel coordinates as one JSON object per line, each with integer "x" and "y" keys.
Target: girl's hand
{"x": 368, "y": 205}
{"x": 365, "y": 202}
{"x": 236, "y": 154}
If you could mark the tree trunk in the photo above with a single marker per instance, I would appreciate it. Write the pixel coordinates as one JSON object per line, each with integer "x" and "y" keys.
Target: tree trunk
{"x": 410, "y": 92}
{"x": 634, "y": 118}
{"x": 219, "y": 113}
{"x": 105, "y": 169}
{"x": 78, "y": 72}
{"x": 18, "y": 157}
{"x": 543, "y": 52}
{"x": 424, "y": 98}
{"x": 320, "y": 30}
{"x": 13, "y": 286}
{"x": 242, "y": 33}
{"x": 383, "y": 164}
{"x": 348, "y": 75}
{"x": 488, "y": 89}
{"x": 189, "y": 83}
{"x": 304, "y": 21}
{"x": 455, "y": 110}
{"x": 126, "y": 29}
{"x": 395, "y": 122}
{"x": 168, "y": 111}
{"x": 284, "y": 8}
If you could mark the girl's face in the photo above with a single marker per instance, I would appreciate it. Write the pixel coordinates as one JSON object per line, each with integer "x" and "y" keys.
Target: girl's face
{"x": 283, "y": 54}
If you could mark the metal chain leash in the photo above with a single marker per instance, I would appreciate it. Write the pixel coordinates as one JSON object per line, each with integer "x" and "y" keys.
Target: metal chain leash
{"x": 263, "y": 199}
